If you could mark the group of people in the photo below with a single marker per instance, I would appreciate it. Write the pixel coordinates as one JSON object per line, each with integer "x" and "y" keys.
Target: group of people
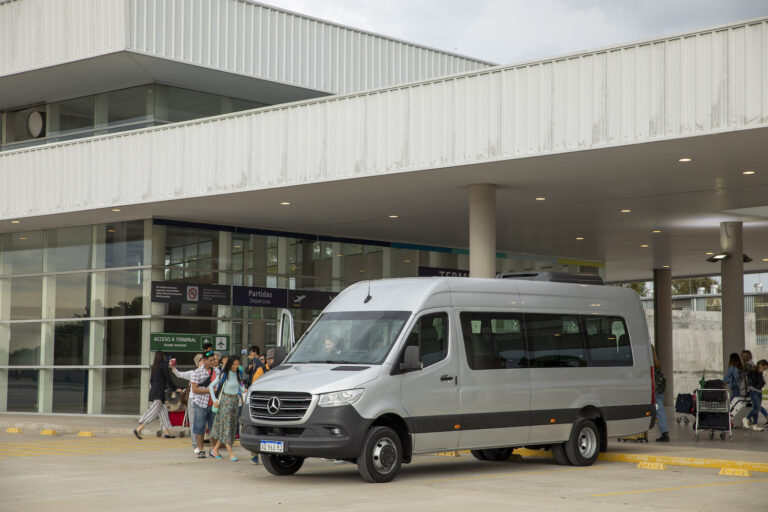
{"x": 217, "y": 387}
{"x": 746, "y": 381}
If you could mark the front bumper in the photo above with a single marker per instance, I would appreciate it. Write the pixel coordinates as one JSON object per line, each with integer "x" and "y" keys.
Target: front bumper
{"x": 313, "y": 438}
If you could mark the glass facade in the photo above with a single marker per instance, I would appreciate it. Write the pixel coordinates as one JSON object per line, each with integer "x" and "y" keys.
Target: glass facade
{"x": 76, "y": 310}
{"x": 111, "y": 112}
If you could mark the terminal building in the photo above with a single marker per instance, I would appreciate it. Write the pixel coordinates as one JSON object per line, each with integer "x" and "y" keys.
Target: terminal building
{"x": 177, "y": 171}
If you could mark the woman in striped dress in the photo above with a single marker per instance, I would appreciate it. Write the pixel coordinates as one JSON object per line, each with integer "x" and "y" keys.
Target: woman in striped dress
{"x": 226, "y": 391}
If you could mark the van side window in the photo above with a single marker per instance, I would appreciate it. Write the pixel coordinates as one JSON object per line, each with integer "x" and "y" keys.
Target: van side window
{"x": 494, "y": 340}
{"x": 607, "y": 341}
{"x": 555, "y": 341}
{"x": 430, "y": 333}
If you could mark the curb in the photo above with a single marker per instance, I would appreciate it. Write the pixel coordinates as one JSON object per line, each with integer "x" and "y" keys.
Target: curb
{"x": 663, "y": 459}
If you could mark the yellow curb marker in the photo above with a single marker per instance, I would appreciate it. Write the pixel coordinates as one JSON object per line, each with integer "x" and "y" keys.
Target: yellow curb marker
{"x": 47, "y": 432}
{"x": 84, "y": 433}
{"x": 734, "y": 472}
{"x": 658, "y": 466}
{"x": 13, "y": 430}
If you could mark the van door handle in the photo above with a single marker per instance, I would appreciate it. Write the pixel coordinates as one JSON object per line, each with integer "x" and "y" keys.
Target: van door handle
{"x": 443, "y": 378}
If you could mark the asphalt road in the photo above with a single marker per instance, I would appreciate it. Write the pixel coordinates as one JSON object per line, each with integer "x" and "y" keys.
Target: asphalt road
{"x": 117, "y": 473}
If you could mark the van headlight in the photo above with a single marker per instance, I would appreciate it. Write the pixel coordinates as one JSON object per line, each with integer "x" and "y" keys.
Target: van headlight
{"x": 347, "y": 397}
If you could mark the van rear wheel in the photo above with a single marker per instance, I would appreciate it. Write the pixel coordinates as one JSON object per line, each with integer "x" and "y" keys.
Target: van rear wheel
{"x": 583, "y": 447}
{"x": 498, "y": 454}
{"x": 558, "y": 453}
{"x": 281, "y": 465}
{"x": 478, "y": 454}
{"x": 381, "y": 455}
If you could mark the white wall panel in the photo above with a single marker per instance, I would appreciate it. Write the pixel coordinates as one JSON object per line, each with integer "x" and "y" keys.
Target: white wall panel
{"x": 40, "y": 33}
{"x": 237, "y": 36}
{"x": 686, "y": 86}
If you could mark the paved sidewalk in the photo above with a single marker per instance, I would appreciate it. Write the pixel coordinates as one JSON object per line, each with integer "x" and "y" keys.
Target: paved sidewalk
{"x": 747, "y": 445}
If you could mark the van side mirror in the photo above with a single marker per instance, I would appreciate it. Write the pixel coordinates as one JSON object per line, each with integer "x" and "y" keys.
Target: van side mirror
{"x": 411, "y": 359}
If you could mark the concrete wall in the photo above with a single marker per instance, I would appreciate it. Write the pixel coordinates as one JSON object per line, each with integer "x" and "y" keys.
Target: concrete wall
{"x": 697, "y": 338}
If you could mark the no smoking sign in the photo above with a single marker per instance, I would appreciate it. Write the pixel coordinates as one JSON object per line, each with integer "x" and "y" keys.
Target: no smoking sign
{"x": 192, "y": 293}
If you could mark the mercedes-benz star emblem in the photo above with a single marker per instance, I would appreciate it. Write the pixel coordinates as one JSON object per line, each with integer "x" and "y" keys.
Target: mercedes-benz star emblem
{"x": 273, "y": 406}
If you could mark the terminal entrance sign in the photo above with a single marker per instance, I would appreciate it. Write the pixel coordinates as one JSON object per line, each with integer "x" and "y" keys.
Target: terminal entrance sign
{"x": 171, "y": 342}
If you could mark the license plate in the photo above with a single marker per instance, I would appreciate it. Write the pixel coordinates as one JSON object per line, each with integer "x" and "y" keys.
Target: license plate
{"x": 271, "y": 446}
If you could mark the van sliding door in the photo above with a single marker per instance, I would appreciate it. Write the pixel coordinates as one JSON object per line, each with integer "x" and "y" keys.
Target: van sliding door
{"x": 495, "y": 380}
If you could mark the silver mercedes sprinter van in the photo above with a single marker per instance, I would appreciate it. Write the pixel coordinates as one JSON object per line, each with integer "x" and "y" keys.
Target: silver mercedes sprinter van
{"x": 397, "y": 367}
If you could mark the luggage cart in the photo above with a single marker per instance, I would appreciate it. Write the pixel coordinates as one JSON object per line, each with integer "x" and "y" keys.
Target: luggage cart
{"x": 713, "y": 413}
{"x": 177, "y": 413}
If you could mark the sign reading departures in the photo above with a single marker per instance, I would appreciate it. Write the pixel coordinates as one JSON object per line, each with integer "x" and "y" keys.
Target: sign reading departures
{"x": 253, "y": 296}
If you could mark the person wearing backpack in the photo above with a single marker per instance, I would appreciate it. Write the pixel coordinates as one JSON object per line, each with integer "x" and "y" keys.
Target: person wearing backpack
{"x": 225, "y": 391}
{"x": 734, "y": 376}
{"x": 660, "y": 385}
{"x": 756, "y": 384}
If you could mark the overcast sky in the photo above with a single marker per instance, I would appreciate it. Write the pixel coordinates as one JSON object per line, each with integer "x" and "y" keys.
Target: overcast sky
{"x": 510, "y": 31}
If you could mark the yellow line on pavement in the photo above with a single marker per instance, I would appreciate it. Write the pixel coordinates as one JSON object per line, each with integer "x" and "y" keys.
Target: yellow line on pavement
{"x": 665, "y": 489}
{"x": 663, "y": 459}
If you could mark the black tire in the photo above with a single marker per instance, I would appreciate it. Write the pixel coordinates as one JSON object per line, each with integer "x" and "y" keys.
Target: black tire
{"x": 478, "y": 454}
{"x": 381, "y": 455}
{"x": 281, "y": 465}
{"x": 558, "y": 453}
{"x": 497, "y": 454}
{"x": 583, "y": 447}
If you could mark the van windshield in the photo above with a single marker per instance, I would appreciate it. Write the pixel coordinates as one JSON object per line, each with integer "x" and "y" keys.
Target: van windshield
{"x": 354, "y": 337}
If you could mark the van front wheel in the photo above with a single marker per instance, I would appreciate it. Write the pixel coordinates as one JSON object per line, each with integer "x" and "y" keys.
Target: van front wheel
{"x": 381, "y": 455}
{"x": 281, "y": 465}
{"x": 583, "y": 447}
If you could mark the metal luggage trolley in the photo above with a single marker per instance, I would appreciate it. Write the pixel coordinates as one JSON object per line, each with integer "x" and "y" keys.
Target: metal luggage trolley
{"x": 713, "y": 408}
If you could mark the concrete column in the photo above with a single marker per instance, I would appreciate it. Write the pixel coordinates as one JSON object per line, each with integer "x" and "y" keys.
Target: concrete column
{"x": 5, "y": 329}
{"x": 225, "y": 263}
{"x": 97, "y": 339}
{"x": 337, "y": 269}
{"x": 154, "y": 254}
{"x": 283, "y": 263}
{"x": 47, "y": 328}
{"x": 482, "y": 230}
{"x": 386, "y": 262}
{"x": 732, "y": 272}
{"x": 662, "y": 327}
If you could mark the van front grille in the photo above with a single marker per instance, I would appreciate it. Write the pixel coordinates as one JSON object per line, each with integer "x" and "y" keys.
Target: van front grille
{"x": 279, "y": 406}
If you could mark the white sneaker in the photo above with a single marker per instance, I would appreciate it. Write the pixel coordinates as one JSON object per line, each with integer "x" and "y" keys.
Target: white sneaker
{"x": 197, "y": 450}
{"x": 745, "y": 422}
{"x": 757, "y": 427}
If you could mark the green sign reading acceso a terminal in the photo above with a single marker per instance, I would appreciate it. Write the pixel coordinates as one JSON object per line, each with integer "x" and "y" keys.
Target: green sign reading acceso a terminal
{"x": 172, "y": 342}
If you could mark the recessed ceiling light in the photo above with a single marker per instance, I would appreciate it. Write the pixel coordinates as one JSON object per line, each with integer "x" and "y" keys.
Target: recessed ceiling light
{"x": 710, "y": 253}
{"x": 15, "y": 222}
{"x": 22, "y": 238}
{"x": 579, "y": 238}
{"x": 392, "y": 216}
{"x": 285, "y": 203}
{"x": 626, "y": 211}
{"x": 765, "y": 259}
{"x": 115, "y": 209}
{"x": 408, "y": 261}
{"x": 111, "y": 230}
{"x": 643, "y": 245}
{"x": 747, "y": 172}
{"x": 657, "y": 231}
{"x": 362, "y": 271}
{"x": 684, "y": 159}
{"x": 541, "y": 198}
{"x": 665, "y": 266}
